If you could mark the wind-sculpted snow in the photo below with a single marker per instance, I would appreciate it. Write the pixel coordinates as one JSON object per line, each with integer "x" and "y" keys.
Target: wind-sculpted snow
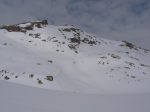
{"x": 68, "y": 59}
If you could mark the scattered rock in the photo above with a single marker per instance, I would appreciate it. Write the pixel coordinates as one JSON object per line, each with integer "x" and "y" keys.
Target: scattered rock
{"x": 44, "y": 40}
{"x": 115, "y": 56}
{"x": 37, "y": 35}
{"x": 49, "y": 78}
{"x": 75, "y": 40}
{"x": 16, "y": 76}
{"x": 38, "y": 63}
{"x": 31, "y": 75}
{"x": 39, "y": 81}
{"x": 70, "y": 29}
{"x": 6, "y": 78}
{"x": 145, "y": 65}
{"x": 4, "y": 43}
{"x": 133, "y": 76}
{"x": 129, "y": 45}
{"x": 50, "y": 61}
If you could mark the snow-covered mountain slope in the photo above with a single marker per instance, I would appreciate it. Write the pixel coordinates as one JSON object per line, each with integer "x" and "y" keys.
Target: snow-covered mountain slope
{"x": 69, "y": 59}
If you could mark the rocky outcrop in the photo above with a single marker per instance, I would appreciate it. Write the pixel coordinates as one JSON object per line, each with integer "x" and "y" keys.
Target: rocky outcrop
{"x": 24, "y": 27}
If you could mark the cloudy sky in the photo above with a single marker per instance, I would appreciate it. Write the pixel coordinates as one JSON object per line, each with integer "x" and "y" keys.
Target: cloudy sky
{"x": 113, "y": 19}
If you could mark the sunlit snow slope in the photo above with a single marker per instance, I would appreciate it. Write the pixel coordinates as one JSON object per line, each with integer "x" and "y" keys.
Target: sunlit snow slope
{"x": 69, "y": 59}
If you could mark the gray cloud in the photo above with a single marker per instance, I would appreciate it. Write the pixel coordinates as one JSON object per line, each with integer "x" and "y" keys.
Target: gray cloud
{"x": 113, "y": 19}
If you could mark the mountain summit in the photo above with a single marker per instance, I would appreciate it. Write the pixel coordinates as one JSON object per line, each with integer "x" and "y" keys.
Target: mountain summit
{"x": 69, "y": 59}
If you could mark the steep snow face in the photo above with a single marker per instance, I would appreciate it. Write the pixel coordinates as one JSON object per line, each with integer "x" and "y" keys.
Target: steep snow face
{"x": 68, "y": 59}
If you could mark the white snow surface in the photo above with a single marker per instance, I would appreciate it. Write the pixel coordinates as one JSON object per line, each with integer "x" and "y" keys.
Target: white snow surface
{"x": 20, "y": 98}
{"x": 78, "y": 62}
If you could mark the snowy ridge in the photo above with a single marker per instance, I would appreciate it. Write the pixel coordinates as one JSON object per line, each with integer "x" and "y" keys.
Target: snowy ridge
{"x": 68, "y": 59}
